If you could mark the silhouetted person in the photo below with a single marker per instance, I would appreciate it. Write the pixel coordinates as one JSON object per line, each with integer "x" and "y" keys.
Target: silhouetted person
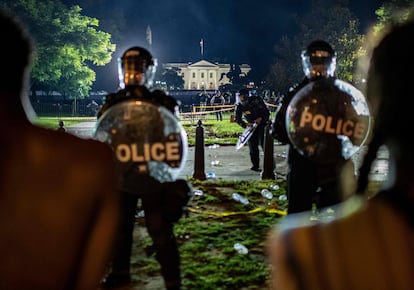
{"x": 59, "y": 205}
{"x": 218, "y": 101}
{"x": 61, "y": 126}
{"x": 370, "y": 246}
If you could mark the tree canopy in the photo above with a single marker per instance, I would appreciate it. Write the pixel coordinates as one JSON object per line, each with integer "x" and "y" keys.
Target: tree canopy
{"x": 172, "y": 79}
{"x": 67, "y": 45}
{"x": 336, "y": 25}
{"x": 392, "y": 12}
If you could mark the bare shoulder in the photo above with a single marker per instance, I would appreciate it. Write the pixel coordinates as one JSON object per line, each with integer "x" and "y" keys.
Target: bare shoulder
{"x": 62, "y": 149}
{"x": 65, "y": 187}
{"x": 64, "y": 163}
{"x": 78, "y": 146}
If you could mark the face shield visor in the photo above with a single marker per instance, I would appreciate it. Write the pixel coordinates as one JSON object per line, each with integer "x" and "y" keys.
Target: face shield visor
{"x": 134, "y": 70}
{"x": 318, "y": 63}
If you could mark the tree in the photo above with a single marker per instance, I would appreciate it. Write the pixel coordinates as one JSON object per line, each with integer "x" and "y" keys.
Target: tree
{"x": 67, "y": 45}
{"x": 388, "y": 14}
{"x": 392, "y": 12}
{"x": 336, "y": 25}
{"x": 287, "y": 69}
{"x": 172, "y": 79}
{"x": 235, "y": 76}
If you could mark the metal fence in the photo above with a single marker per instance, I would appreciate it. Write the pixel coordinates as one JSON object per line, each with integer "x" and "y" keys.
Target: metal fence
{"x": 192, "y": 114}
{"x": 65, "y": 110}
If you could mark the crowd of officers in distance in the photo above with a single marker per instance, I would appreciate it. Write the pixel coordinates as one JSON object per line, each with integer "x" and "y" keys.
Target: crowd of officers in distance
{"x": 230, "y": 98}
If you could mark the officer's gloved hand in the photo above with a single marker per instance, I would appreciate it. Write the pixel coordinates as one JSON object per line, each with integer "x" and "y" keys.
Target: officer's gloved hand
{"x": 175, "y": 196}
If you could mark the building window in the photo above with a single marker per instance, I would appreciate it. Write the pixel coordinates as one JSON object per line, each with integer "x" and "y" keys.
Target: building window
{"x": 194, "y": 75}
{"x": 202, "y": 75}
{"x": 211, "y": 75}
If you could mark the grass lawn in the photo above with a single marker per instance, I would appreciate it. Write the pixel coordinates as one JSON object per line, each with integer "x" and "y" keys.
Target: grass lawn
{"x": 215, "y": 132}
{"x": 207, "y": 233}
{"x": 52, "y": 122}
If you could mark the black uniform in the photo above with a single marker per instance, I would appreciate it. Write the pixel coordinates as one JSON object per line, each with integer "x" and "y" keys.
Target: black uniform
{"x": 160, "y": 213}
{"x": 308, "y": 182}
{"x": 139, "y": 92}
{"x": 254, "y": 108}
{"x": 218, "y": 100}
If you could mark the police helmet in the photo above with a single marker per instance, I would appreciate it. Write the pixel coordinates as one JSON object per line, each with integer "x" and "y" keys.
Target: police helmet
{"x": 136, "y": 67}
{"x": 319, "y": 59}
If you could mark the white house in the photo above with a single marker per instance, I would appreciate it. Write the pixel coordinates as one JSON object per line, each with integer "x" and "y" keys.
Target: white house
{"x": 204, "y": 75}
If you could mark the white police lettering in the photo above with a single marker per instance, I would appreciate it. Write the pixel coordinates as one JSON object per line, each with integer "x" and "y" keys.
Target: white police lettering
{"x": 328, "y": 124}
{"x": 168, "y": 151}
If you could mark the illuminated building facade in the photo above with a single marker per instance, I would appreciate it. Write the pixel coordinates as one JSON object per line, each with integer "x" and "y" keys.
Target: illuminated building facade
{"x": 205, "y": 75}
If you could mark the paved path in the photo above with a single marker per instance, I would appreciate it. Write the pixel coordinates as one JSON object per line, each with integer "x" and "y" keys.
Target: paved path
{"x": 224, "y": 162}
{"x": 83, "y": 129}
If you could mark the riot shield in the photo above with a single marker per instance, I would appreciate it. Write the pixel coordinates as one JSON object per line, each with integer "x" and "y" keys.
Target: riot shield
{"x": 149, "y": 143}
{"x": 245, "y": 136}
{"x": 328, "y": 120}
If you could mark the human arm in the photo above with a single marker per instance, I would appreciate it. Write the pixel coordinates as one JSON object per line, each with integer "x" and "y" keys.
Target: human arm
{"x": 281, "y": 278}
{"x": 278, "y": 130}
{"x": 161, "y": 98}
{"x": 258, "y": 120}
{"x": 101, "y": 231}
{"x": 107, "y": 103}
{"x": 264, "y": 114}
{"x": 238, "y": 118}
{"x": 260, "y": 111}
{"x": 176, "y": 195}
{"x": 212, "y": 100}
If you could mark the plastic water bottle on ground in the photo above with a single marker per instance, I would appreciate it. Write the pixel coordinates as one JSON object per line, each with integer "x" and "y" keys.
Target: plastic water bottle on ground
{"x": 274, "y": 187}
{"x": 198, "y": 192}
{"x": 241, "y": 249}
{"x": 210, "y": 175}
{"x": 140, "y": 214}
{"x": 267, "y": 194}
{"x": 239, "y": 198}
{"x": 282, "y": 197}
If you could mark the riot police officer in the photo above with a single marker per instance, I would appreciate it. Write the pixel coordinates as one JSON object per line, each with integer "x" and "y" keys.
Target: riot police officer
{"x": 316, "y": 161}
{"x": 130, "y": 126}
{"x": 252, "y": 110}
{"x": 368, "y": 245}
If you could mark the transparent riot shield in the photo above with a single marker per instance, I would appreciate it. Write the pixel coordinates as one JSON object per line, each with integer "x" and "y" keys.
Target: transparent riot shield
{"x": 245, "y": 136}
{"x": 328, "y": 120}
{"x": 148, "y": 141}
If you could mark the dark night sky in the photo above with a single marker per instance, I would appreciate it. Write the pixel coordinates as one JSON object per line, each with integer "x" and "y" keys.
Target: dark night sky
{"x": 233, "y": 31}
